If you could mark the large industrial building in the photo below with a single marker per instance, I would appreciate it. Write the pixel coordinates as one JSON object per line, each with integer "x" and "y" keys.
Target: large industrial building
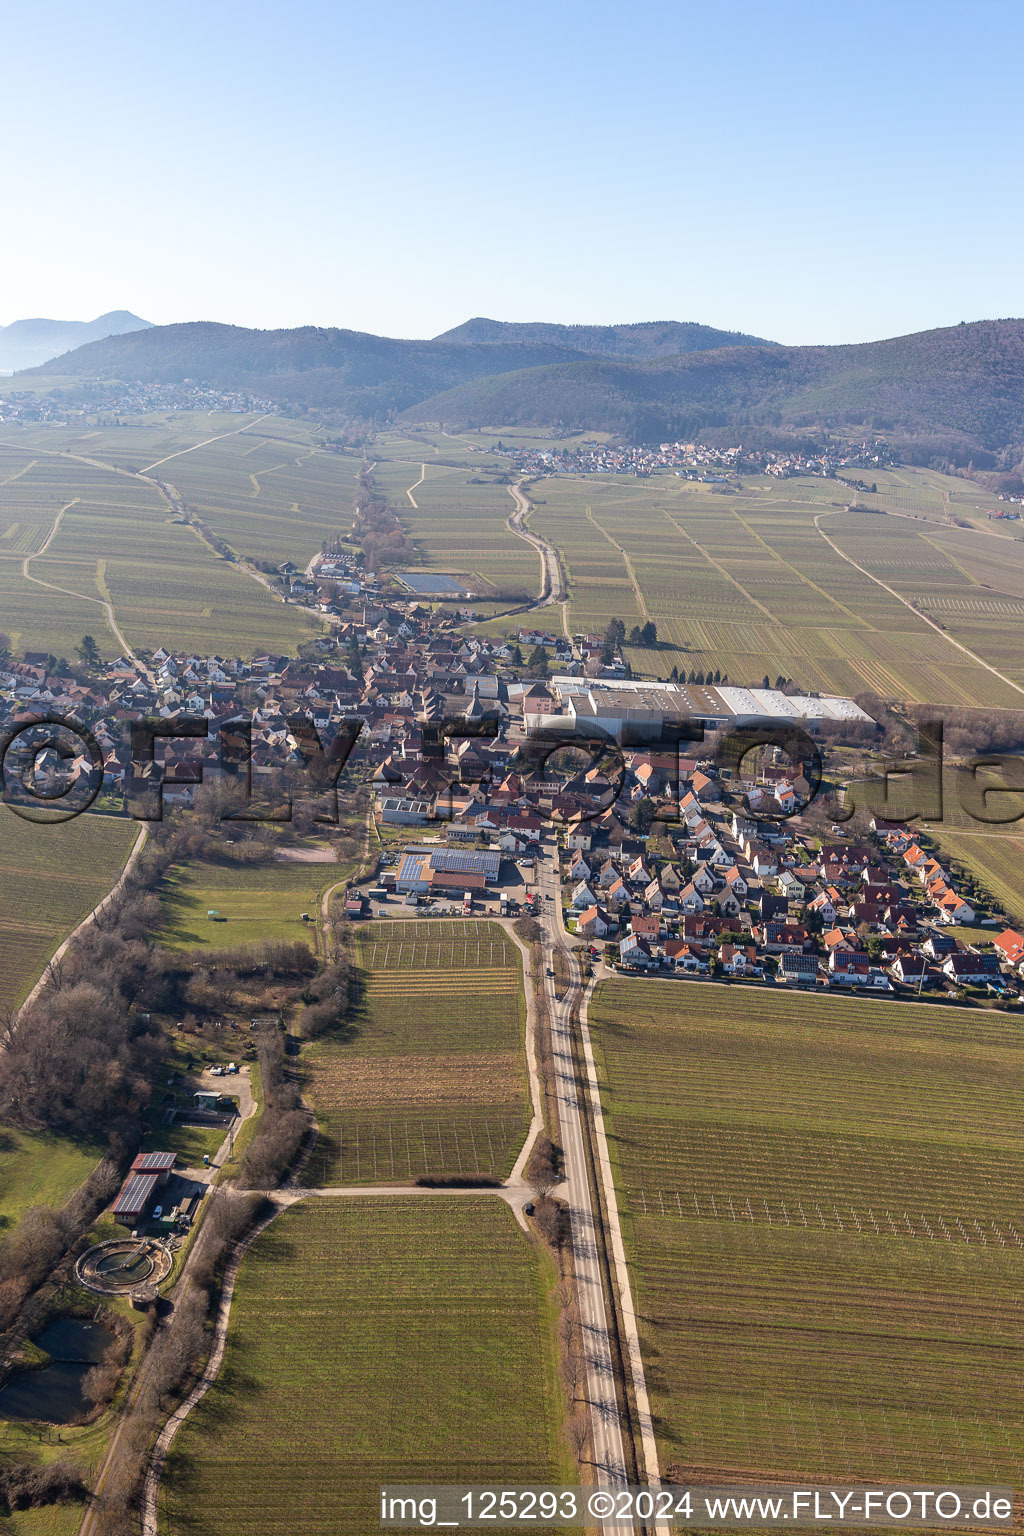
{"x": 442, "y": 871}
{"x": 642, "y": 710}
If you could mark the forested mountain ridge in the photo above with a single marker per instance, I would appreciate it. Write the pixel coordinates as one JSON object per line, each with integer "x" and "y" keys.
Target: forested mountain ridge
{"x": 957, "y": 391}
{"x": 646, "y": 339}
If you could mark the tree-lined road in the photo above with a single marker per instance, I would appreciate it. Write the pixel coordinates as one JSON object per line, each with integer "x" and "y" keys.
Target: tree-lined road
{"x": 596, "y": 1306}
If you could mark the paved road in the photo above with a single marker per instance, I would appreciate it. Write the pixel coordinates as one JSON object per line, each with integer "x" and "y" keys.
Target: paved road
{"x": 608, "y": 1451}
{"x": 594, "y": 1302}
{"x": 552, "y": 586}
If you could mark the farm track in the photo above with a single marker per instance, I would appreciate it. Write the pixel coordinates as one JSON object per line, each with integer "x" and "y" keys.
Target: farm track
{"x": 916, "y": 611}
{"x": 641, "y": 601}
{"x": 174, "y": 501}
{"x": 204, "y": 444}
{"x": 415, "y": 484}
{"x": 721, "y": 569}
{"x": 104, "y": 602}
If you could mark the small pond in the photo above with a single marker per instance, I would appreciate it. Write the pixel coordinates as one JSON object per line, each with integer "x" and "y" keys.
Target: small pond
{"x": 54, "y": 1394}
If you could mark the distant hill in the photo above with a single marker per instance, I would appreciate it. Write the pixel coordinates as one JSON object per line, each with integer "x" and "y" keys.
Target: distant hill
{"x": 649, "y": 338}
{"x": 27, "y": 343}
{"x": 961, "y": 388}
{"x": 313, "y": 366}
{"x": 957, "y": 392}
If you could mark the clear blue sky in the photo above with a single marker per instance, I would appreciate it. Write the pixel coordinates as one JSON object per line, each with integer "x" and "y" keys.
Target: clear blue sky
{"x": 811, "y": 172}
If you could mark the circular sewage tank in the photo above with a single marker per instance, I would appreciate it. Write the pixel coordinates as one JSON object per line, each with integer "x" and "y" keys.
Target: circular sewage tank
{"x": 120, "y": 1266}
{"x": 132, "y": 1268}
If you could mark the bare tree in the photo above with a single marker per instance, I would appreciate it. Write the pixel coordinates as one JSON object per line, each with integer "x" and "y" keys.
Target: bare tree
{"x": 577, "y": 1433}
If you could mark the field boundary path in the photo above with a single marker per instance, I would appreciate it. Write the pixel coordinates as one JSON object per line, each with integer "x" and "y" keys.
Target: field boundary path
{"x": 280, "y": 1200}
{"x": 641, "y": 601}
{"x": 90, "y": 917}
{"x": 235, "y": 432}
{"x": 51, "y": 586}
{"x": 916, "y": 611}
{"x": 415, "y": 484}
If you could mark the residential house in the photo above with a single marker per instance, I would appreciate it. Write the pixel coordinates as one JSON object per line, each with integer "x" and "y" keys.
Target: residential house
{"x": 645, "y": 926}
{"x": 739, "y": 960}
{"x": 913, "y": 970}
{"x": 791, "y": 886}
{"x": 635, "y": 951}
{"x": 686, "y": 959}
{"x": 596, "y": 923}
{"x": 1010, "y": 946}
{"x": 797, "y": 969}
{"x": 968, "y": 969}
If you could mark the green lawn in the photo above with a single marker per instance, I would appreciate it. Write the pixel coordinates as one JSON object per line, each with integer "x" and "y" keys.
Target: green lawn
{"x": 54, "y": 1520}
{"x": 429, "y": 1076}
{"x": 255, "y": 902}
{"x": 39, "y": 1168}
{"x": 821, "y": 1208}
{"x": 404, "y": 1339}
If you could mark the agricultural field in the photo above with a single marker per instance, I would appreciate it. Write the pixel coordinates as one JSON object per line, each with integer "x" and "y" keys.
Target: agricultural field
{"x": 76, "y": 534}
{"x": 747, "y": 584}
{"x": 50, "y": 878}
{"x": 397, "y": 1340}
{"x": 430, "y": 1075}
{"x": 459, "y": 526}
{"x": 821, "y": 1209}
{"x": 994, "y": 856}
{"x": 252, "y": 902}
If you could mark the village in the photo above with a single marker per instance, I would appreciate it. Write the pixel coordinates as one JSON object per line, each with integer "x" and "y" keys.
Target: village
{"x": 705, "y": 462}
{"x": 669, "y": 863}
{"x": 715, "y": 895}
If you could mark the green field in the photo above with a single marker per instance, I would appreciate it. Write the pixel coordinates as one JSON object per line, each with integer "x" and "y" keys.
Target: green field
{"x": 38, "y": 1168}
{"x": 430, "y": 1077}
{"x": 822, "y": 1212}
{"x": 253, "y": 902}
{"x": 53, "y": 1520}
{"x": 50, "y": 878}
{"x": 406, "y": 1340}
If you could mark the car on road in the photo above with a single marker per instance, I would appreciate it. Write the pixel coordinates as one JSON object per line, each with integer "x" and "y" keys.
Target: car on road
{"x": 550, "y": 971}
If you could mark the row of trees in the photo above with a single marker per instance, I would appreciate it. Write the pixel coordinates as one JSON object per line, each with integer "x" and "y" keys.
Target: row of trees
{"x": 377, "y": 529}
